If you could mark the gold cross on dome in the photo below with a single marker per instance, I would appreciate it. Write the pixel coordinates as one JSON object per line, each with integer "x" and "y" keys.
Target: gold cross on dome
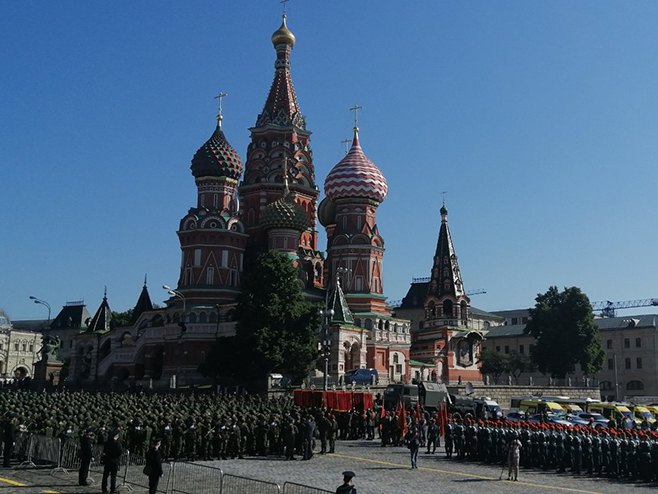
{"x": 284, "y": 2}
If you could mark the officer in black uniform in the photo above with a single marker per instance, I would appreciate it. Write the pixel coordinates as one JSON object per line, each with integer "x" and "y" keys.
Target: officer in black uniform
{"x": 347, "y": 487}
{"x": 86, "y": 454}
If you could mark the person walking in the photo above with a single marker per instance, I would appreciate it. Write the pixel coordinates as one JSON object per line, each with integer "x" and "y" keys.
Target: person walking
{"x": 347, "y": 487}
{"x": 153, "y": 466}
{"x": 111, "y": 460}
{"x": 413, "y": 443}
{"x": 86, "y": 454}
{"x": 513, "y": 457}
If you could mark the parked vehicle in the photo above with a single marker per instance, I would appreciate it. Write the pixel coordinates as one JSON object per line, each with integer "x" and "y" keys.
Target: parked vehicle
{"x": 481, "y": 408}
{"x": 361, "y": 376}
{"x": 430, "y": 395}
{"x": 640, "y": 412}
{"x": 595, "y": 420}
{"x": 617, "y": 411}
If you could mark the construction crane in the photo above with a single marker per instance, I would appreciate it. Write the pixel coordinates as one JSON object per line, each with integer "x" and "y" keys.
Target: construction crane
{"x": 608, "y": 308}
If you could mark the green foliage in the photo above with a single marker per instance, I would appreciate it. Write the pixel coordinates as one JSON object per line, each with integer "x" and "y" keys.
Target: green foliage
{"x": 276, "y": 327}
{"x": 121, "y": 319}
{"x": 563, "y": 325}
{"x": 514, "y": 363}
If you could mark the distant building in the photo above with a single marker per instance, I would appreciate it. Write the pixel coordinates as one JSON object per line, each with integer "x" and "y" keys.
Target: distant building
{"x": 18, "y": 347}
{"x": 630, "y": 343}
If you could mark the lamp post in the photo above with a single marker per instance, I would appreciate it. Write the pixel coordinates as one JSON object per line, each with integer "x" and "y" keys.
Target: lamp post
{"x": 42, "y": 302}
{"x": 325, "y": 345}
{"x": 183, "y": 328}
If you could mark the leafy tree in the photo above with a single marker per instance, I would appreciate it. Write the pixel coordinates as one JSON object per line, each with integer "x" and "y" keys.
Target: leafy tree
{"x": 517, "y": 363}
{"x": 563, "y": 325}
{"x": 276, "y": 327}
{"x": 121, "y": 319}
{"x": 493, "y": 364}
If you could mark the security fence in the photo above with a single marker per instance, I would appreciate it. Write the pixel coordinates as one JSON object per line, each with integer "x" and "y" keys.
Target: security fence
{"x": 232, "y": 484}
{"x": 178, "y": 477}
{"x": 292, "y": 488}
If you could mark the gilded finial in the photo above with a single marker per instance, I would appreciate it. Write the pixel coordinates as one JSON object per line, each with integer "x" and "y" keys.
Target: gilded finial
{"x": 219, "y": 97}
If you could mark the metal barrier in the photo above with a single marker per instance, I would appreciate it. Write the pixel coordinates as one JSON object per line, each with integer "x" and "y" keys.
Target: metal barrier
{"x": 23, "y": 450}
{"x": 48, "y": 449}
{"x": 232, "y": 484}
{"x": 292, "y": 488}
{"x": 193, "y": 478}
{"x": 134, "y": 475}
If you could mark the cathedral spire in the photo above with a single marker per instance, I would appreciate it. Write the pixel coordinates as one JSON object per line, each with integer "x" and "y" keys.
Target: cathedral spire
{"x": 446, "y": 277}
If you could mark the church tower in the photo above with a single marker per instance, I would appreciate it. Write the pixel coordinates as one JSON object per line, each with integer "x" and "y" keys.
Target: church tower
{"x": 355, "y": 187}
{"x": 211, "y": 235}
{"x": 280, "y": 136}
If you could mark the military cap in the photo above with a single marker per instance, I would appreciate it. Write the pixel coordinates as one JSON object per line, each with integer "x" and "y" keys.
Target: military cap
{"x": 348, "y": 475}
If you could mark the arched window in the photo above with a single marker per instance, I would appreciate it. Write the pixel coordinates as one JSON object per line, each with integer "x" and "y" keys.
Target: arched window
{"x": 605, "y": 385}
{"x": 635, "y": 386}
{"x": 191, "y": 318}
{"x": 447, "y": 308}
{"x": 431, "y": 310}
{"x": 203, "y": 317}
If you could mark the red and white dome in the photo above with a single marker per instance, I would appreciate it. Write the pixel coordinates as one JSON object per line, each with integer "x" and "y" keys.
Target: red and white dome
{"x": 355, "y": 176}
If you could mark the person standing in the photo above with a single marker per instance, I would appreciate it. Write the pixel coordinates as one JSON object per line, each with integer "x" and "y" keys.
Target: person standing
{"x": 432, "y": 437}
{"x": 111, "y": 460}
{"x": 8, "y": 439}
{"x": 153, "y": 466}
{"x": 86, "y": 454}
{"x": 513, "y": 458}
{"x": 347, "y": 487}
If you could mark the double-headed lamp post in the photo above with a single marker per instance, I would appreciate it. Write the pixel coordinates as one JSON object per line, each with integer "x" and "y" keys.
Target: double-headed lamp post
{"x": 42, "y": 302}
{"x": 325, "y": 344}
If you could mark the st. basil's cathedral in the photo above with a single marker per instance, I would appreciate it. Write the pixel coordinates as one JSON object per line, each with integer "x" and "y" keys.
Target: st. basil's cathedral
{"x": 271, "y": 203}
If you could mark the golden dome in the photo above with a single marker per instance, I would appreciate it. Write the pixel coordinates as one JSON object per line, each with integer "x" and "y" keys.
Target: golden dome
{"x": 283, "y": 35}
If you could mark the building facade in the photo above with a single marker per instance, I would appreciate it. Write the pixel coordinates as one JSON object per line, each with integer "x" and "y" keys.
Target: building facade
{"x": 268, "y": 204}
{"x": 18, "y": 349}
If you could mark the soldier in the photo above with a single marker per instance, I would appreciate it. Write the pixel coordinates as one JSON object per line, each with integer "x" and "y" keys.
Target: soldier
{"x": 8, "y": 439}
{"x": 449, "y": 439}
{"x": 513, "y": 458}
{"x": 309, "y": 432}
{"x": 432, "y": 436}
{"x": 111, "y": 459}
{"x": 86, "y": 454}
{"x": 290, "y": 432}
{"x": 347, "y": 487}
{"x": 331, "y": 433}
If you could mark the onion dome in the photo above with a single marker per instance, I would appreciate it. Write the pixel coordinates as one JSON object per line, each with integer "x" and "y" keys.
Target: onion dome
{"x": 216, "y": 158}
{"x": 283, "y": 35}
{"x": 285, "y": 213}
{"x": 327, "y": 212}
{"x": 355, "y": 176}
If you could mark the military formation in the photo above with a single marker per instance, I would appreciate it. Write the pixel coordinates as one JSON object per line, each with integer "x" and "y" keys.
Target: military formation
{"x": 613, "y": 452}
{"x": 191, "y": 427}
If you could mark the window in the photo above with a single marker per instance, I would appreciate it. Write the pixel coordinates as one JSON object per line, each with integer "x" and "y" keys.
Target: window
{"x": 627, "y": 363}
{"x": 24, "y": 347}
{"x": 224, "y": 258}
{"x": 638, "y": 342}
{"x": 611, "y": 364}
{"x": 608, "y": 344}
{"x": 506, "y": 348}
{"x": 635, "y": 386}
{"x": 210, "y": 276}
{"x": 638, "y": 362}
{"x": 521, "y": 348}
{"x": 16, "y": 346}
{"x": 515, "y": 320}
{"x": 498, "y": 349}
{"x": 421, "y": 325}
{"x": 197, "y": 257}
{"x": 31, "y": 347}
{"x": 627, "y": 343}
{"x": 524, "y": 320}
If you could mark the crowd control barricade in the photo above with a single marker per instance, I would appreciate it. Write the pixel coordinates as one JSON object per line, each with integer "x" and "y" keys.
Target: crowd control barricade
{"x": 232, "y": 484}
{"x": 194, "y": 478}
{"x": 292, "y": 488}
{"x": 23, "y": 450}
{"x": 48, "y": 449}
{"x": 70, "y": 457}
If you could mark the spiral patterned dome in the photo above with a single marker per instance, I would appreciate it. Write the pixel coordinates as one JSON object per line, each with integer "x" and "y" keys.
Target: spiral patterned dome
{"x": 216, "y": 158}
{"x": 285, "y": 213}
{"x": 355, "y": 176}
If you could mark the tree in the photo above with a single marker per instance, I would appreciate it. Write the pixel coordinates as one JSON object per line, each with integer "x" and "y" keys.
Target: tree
{"x": 493, "y": 364}
{"x": 276, "y": 327}
{"x": 518, "y": 363}
{"x": 563, "y": 325}
{"x": 121, "y": 319}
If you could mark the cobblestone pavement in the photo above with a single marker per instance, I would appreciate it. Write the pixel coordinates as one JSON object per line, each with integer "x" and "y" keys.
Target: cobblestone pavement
{"x": 379, "y": 471}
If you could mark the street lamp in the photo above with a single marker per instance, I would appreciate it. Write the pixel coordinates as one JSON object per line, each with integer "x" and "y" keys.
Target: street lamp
{"x": 42, "y": 302}
{"x": 325, "y": 345}
{"x": 183, "y": 328}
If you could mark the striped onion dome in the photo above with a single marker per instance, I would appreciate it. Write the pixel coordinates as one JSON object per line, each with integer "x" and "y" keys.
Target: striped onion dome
{"x": 216, "y": 158}
{"x": 355, "y": 176}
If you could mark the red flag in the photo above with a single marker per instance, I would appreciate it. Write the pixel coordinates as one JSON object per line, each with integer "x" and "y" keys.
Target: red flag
{"x": 418, "y": 410}
{"x": 403, "y": 421}
{"x": 381, "y": 417}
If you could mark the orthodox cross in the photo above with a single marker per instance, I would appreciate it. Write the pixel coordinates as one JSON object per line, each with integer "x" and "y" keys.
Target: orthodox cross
{"x": 356, "y": 109}
{"x": 444, "y": 197}
{"x": 219, "y": 97}
{"x": 346, "y": 142}
{"x": 284, "y": 2}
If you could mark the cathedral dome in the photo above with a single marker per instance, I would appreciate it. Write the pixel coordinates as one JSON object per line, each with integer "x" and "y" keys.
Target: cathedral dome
{"x": 355, "y": 176}
{"x": 285, "y": 213}
{"x": 216, "y": 158}
{"x": 327, "y": 212}
{"x": 283, "y": 35}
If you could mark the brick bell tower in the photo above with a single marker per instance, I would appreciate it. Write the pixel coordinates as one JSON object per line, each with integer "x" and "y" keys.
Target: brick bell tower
{"x": 212, "y": 236}
{"x": 280, "y": 136}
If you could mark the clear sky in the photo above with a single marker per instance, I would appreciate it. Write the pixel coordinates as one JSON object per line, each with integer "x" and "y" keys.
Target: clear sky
{"x": 539, "y": 119}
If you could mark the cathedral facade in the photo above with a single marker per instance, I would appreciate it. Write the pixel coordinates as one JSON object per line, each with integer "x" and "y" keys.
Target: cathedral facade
{"x": 268, "y": 203}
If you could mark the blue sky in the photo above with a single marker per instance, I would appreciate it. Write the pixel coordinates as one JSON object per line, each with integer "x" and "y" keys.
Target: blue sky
{"x": 539, "y": 119}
